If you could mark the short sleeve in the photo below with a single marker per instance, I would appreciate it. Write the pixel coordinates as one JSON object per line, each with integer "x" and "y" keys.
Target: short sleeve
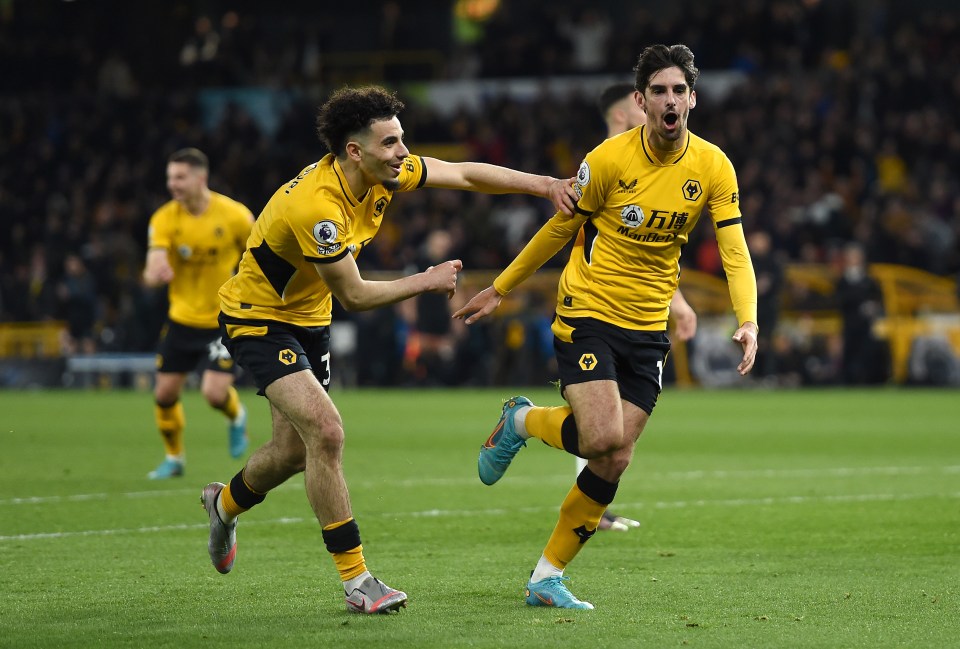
{"x": 413, "y": 174}
{"x": 159, "y": 232}
{"x": 323, "y": 239}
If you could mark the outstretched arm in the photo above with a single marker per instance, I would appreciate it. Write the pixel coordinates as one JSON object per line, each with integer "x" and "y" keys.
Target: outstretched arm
{"x": 492, "y": 179}
{"x": 545, "y": 244}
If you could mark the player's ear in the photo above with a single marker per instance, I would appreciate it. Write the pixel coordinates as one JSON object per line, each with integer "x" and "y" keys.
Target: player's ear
{"x": 354, "y": 151}
{"x": 693, "y": 99}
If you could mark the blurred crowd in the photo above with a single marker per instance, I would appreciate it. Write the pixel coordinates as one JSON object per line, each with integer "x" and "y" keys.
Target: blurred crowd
{"x": 844, "y": 129}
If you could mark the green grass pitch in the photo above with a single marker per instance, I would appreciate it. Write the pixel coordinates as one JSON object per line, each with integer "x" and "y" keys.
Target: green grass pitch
{"x": 769, "y": 519}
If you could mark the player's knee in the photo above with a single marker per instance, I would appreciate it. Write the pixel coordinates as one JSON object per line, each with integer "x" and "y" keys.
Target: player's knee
{"x": 214, "y": 395}
{"x": 325, "y": 438}
{"x": 602, "y": 443}
{"x": 619, "y": 460}
{"x": 166, "y": 397}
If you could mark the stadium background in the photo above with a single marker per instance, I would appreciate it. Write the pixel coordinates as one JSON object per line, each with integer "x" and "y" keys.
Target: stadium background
{"x": 839, "y": 116}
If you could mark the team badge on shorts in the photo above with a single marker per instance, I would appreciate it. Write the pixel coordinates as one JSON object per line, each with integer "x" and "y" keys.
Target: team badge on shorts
{"x": 287, "y": 357}
{"x": 588, "y": 362}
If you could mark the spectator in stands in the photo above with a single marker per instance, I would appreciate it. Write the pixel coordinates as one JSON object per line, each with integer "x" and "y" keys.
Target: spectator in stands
{"x": 770, "y": 276}
{"x": 861, "y": 305}
{"x": 432, "y": 341}
{"x": 77, "y": 292}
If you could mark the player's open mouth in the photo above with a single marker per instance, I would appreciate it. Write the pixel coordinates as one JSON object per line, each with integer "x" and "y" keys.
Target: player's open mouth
{"x": 671, "y": 119}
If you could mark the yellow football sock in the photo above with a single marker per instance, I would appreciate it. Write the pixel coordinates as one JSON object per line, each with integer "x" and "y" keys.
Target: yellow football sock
{"x": 230, "y": 407}
{"x": 171, "y": 422}
{"x": 350, "y": 562}
{"x": 546, "y": 423}
{"x": 229, "y": 503}
{"x": 579, "y": 517}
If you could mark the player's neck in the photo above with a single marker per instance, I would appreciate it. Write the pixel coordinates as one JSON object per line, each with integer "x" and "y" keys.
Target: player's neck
{"x": 198, "y": 204}
{"x": 666, "y": 150}
{"x": 356, "y": 181}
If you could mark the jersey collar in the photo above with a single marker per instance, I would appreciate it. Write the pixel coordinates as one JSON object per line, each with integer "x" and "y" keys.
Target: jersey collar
{"x": 675, "y": 158}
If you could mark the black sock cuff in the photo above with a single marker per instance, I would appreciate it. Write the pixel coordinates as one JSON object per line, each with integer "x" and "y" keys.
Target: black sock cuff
{"x": 242, "y": 494}
{"x": 569, "y": 436}
{"x": 342, "y": 538}
{"x": 595, "y": 487}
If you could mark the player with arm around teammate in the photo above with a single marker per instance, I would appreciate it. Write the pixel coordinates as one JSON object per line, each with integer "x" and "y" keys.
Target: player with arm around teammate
{"x": 612, "y": 301}
{"x": 276, "y": 314}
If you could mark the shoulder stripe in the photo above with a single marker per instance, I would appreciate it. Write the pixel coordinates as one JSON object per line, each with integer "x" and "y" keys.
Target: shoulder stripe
{"x": 581, "y": 211}
{"x": 735, "y": 221}
{"x": 423, "y": 172}
{"x": 328, "y": 260}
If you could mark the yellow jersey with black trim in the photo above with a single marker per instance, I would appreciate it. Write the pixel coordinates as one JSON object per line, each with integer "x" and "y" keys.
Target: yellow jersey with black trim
{"x": 635, "y": 211}
{"x": 313, "y": 219}
{"x": 203, "y": 251}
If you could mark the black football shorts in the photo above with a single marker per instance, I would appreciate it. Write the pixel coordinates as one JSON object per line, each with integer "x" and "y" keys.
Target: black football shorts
{"x": 270, "y": 350}
{"x": 185, "y": 349}
{"x": 602, "y": 351}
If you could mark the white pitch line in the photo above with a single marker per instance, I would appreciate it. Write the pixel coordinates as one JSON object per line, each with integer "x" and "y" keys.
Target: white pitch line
{"x": 839, "y": 472}
{"x": 443, "y": 513}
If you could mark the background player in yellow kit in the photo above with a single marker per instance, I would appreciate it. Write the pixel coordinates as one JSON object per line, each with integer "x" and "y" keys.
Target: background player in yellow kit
{"x": 612, "y": 302}
{"x": 195, "y": 243}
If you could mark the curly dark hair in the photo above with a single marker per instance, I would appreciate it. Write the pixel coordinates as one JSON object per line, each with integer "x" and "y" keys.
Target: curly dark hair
{"x": 350, "y": 110}
{"x": 659, "y": 57}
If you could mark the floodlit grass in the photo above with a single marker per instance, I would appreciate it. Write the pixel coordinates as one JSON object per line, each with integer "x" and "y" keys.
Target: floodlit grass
{"x": 770, "y": 519}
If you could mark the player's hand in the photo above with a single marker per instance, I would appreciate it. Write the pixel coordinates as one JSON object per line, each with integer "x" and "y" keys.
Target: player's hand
{"x": 562, "y": 195}
{"x": 746, "y": 335}
{"x": 443, "y": 277}
{"x": 480, "y": 305}
{"x": 684, "y": 320}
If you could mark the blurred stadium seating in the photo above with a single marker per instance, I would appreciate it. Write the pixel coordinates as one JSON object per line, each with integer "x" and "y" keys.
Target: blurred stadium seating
{"x": 841, "y": 118}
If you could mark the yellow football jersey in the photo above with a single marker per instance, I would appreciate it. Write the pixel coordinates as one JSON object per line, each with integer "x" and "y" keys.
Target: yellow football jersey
{"x": 314, "y": 218}
{"x": 635, "y": 213}
{"x": 203, "y": 252}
